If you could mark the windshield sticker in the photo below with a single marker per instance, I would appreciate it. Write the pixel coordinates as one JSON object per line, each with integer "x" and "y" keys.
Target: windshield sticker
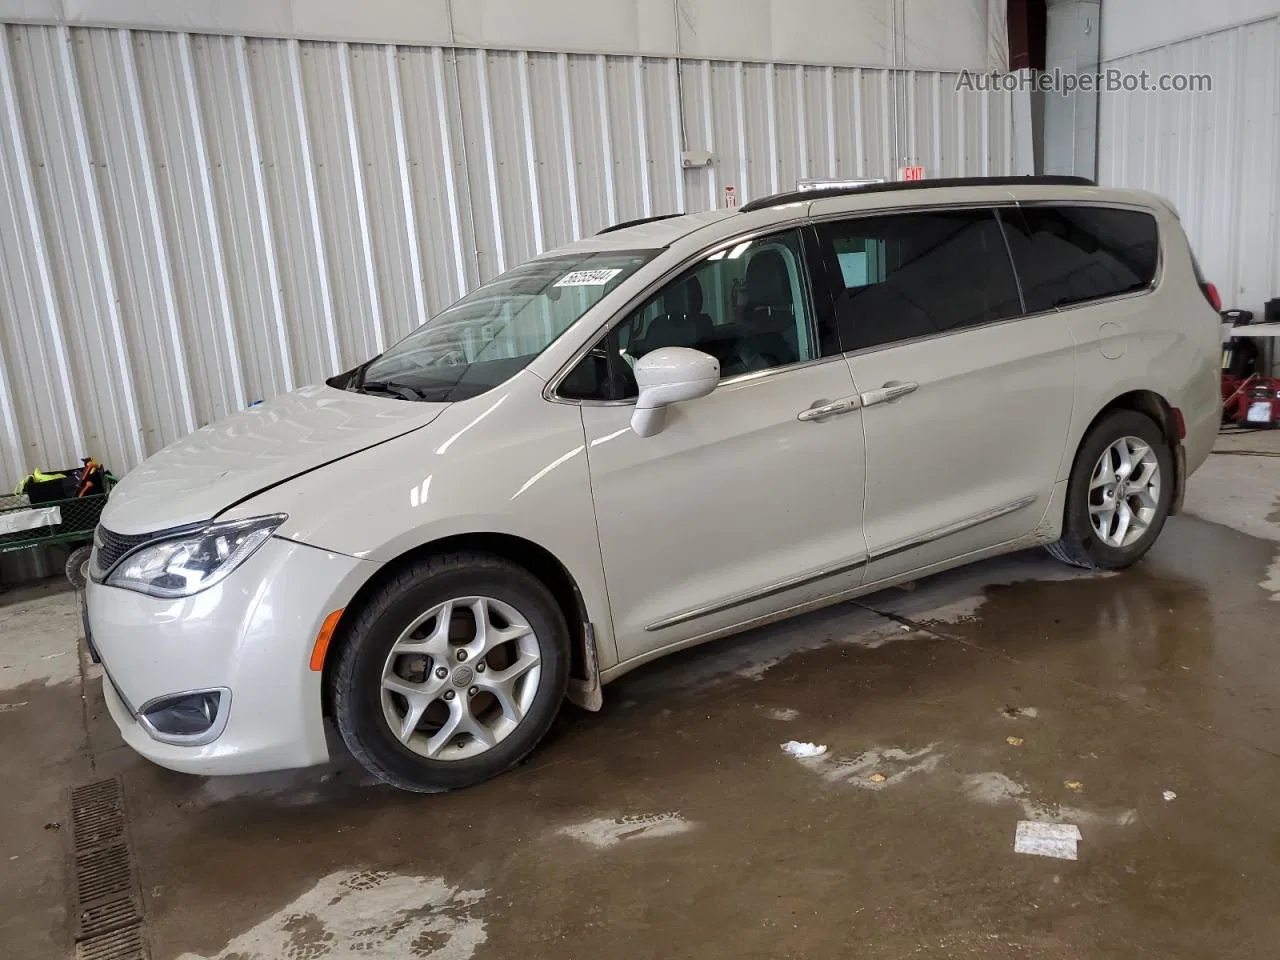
{"x": 588, "y": 278}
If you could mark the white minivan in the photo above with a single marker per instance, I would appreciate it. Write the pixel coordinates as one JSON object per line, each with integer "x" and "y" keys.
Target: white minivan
{"x": 669, "y": 432}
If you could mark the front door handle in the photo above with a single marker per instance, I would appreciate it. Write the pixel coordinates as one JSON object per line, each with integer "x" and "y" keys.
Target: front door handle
{"x": 891, "y": 391}
{"x": 821, "y": 409}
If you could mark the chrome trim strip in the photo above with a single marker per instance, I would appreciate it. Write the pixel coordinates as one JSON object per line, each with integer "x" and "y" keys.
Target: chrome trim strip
{"x": 782, "y": 586}
{"x": 924, "y": 337}
{"x": 959, "y": 331}
{"x": 951, "y": 529}
{"x": 734, "y": 381}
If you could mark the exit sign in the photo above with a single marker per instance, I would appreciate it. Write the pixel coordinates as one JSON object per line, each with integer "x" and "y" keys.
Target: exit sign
{"x": 911, "y": 173}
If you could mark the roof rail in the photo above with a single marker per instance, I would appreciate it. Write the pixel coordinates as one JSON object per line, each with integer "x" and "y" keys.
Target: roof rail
{"x": 636, "y": 223}
{"x": 800, "y": 196}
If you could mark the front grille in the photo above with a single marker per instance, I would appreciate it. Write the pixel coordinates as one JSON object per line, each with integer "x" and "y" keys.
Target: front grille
{"x": 109, "y": 547}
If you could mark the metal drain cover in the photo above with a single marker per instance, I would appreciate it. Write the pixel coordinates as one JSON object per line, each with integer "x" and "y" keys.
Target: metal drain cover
{"x": 107, "y": 904}
{"x": 109, "y": 915}
{"x": 97, "y": 814}
{"x": 123, "y": 944}
{"x": 103, "y": 873}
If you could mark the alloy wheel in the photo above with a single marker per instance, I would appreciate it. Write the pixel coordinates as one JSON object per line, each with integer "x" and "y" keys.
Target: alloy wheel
{"x": 460, "y": 678}
{"x": 1124, "y": 492}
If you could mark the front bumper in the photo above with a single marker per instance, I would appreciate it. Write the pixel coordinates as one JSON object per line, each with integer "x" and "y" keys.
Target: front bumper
{"x": 251, "y": 634}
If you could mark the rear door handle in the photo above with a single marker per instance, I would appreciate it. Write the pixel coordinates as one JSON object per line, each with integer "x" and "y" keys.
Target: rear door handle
{"x": 821, "y": 410}
{"x": 891, "y": 391}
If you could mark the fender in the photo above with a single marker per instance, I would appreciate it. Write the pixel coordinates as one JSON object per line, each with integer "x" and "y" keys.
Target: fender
{"x": 508, "y": 462}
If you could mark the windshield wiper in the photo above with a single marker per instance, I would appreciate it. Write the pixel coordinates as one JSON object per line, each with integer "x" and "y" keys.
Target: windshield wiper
{"x": 393, "y": 387}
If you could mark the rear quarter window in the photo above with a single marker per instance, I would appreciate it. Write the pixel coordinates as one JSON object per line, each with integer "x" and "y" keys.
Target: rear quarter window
{"x": 1069, "y": 255}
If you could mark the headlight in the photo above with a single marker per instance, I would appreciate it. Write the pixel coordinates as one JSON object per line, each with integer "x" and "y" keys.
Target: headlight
{"x": 195, "y": 562}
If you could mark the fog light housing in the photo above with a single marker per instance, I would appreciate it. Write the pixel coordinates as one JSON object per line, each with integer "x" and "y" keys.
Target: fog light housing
{"x": 188, "y": 719}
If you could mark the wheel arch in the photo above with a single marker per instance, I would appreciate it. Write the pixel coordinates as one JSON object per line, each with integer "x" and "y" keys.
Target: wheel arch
{"x": 1155, "y": 406}
{"x": 536, "y": 560}
{"x": 1148, "y": 402}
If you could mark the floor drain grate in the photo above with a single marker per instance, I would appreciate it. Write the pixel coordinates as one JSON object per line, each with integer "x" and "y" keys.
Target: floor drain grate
{"x": 97, "y": 814}
{"x": 126, "y": 944}
{"x": 109, "y": 915}
{"x": 103, "y": 873}
{"x": 108, "y": 912}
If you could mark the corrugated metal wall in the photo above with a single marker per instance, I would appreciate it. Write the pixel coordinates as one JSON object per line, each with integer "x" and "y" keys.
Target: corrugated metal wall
{"x": 190, "y": 223}
{"x": 1215, "y": 155}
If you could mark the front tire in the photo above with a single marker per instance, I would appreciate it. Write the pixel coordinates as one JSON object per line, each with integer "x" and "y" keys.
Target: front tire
{"x": 451, "y": 673}
{"x": 1119, "y": 493}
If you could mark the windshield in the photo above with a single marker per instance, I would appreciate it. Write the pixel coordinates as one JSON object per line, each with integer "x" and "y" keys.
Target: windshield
{"x": 496, "y": 330}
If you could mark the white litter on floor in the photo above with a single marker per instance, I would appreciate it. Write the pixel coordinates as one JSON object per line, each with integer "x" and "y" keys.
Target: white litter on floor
{"x": 1170, "y": 795}
{"x": 785, "y": 714}
{"x": 882, "y": 767}
{"x": 803, "y": 751}
{"x": 1272, "y": 583}
{"x": 993, "y": 788}
{"x": 6, "y": 707}
{"x": 372, "y": 915}
{"x": 607, "y": 832}
{"x": 1046, "y": 839}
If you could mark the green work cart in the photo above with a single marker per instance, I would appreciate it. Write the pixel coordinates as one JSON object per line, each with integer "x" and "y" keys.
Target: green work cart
{"x": 25, "y": 525}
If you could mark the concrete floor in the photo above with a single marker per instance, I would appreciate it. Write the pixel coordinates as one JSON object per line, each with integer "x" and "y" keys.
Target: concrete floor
{"x": 673, "y": 825}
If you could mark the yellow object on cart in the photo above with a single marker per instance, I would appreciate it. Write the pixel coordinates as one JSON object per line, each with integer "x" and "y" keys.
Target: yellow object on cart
{"x": 36, "y": 476}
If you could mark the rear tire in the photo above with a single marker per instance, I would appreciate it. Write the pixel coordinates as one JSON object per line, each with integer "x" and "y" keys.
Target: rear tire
{"x": 451, "y": 673}
{"x": 1119, "y": 494}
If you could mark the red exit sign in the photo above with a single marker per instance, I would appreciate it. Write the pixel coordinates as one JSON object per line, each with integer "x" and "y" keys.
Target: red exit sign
{"x": 911, "y": 173}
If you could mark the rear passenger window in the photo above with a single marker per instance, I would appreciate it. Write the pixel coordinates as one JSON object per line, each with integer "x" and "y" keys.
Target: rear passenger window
{"x": 1070, "y": 255}
{"x": 911, "y": 275}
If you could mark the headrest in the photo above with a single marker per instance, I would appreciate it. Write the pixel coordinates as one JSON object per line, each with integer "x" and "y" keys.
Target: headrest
{"x": 768, "y": 281}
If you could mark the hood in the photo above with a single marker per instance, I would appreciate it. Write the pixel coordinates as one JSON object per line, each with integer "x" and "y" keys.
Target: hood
{"x": 204, "y": 473}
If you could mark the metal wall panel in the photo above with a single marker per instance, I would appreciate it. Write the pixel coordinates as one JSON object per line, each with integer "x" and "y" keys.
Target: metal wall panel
{"x": 918, "y": 34}
{"x": 1214, "y": 155}
{"x": 190, "y": 223}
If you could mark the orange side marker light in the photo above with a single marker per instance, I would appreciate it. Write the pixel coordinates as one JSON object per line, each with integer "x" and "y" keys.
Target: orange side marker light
{"x": 322, "y": 639}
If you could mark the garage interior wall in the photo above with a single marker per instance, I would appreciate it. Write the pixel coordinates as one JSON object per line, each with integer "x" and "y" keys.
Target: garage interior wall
{"x": 1214, "y": 155}
{"x": 190, "y": 223}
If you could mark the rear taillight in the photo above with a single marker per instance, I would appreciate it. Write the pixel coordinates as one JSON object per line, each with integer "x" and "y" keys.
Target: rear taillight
{"x": 1211, "y": 294}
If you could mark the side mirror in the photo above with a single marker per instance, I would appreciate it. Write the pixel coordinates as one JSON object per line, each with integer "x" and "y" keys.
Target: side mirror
{"x": 670, "y": 375}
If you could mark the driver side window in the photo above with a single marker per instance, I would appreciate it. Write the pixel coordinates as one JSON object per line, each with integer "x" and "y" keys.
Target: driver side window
{"x": 747, "y": 305}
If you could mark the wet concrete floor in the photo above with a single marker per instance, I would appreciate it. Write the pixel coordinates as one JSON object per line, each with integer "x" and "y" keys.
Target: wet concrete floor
{"x": 672, "y": 824}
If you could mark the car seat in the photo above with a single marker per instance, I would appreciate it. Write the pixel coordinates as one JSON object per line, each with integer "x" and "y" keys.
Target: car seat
{"x": 683, "y": 325}
{"x": 768, "y": 317}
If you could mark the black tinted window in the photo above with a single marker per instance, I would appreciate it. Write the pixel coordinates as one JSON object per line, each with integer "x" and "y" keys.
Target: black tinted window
{"x": 910, "y": 275}
{"x": 1068, "y": 255}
